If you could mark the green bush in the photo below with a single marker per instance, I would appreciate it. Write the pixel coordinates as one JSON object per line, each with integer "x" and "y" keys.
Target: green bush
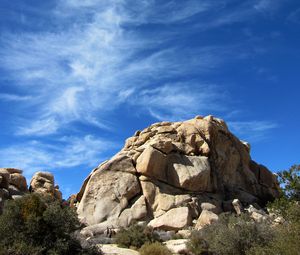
{"x": 135, "y": 236}
{"x": 287, "y": 236}
{"x": 38, "y": 225}
{"x": 231, "y": 234}
{"x": 154, "y": 249}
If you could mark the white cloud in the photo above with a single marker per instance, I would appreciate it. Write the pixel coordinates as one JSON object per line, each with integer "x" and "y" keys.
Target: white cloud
{"x": 267, "y": 6}
{"x": 179, "y": 101}
{"x": 252, "y": 131}
{"x": 87, "y": 70}
{"x": 14, "y": 97}
{"x": 69, "y": 152}
{"x": 97, "y": 61}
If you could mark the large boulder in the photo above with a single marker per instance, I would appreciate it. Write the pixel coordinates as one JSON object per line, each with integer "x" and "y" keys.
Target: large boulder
{"x": 174, "y": 219}
{"x": 43, "y": 183}
{"x": 12, "y": 184}
{"x": 206, "y": 218}
{"x": 196, "y": 167}
{"x": 107, "y": 201}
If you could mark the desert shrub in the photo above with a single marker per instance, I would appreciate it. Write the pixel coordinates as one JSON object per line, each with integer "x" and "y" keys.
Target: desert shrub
{"x": 154, "y": 249}
{"x": 135, "y": 236}
{"x": 286, "y": 238}
{"x": 39, "y": 225}
{"x": 231, "y": 234}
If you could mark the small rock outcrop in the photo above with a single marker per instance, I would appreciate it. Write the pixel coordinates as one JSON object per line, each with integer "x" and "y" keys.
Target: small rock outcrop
{"x": 13, "y": 185}
{"x": 43, "y": 183}
{"x": 171, "y": 173}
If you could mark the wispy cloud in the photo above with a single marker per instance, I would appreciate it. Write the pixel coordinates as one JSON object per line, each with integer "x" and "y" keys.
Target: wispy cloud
{"x": 179, "y": 101}
{"x": 69, "y": 152}
{"x": 87, "y": 70}
{"x": 95, "y": 57}
{"x": 13, "y": 97}
{"x": 252, "y": 131}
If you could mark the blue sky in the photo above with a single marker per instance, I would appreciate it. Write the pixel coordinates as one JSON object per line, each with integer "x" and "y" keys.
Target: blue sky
{"x": 79, "y": 77}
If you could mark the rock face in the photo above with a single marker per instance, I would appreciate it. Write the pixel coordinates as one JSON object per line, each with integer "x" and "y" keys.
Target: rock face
{"x": 12, "y": 184}
{"x": 167, "y": 171}
{"x": 43, "y": 183}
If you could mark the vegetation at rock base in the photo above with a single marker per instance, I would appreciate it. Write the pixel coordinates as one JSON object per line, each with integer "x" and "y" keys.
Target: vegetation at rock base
{"x": 39, "y": 225}
{"x": 231, "y": 234}
{"x": 135, "y": 236}
{"x": 241, "y": 235}
{"x": 154, "y": 249}
{"x": 287, "y": 236}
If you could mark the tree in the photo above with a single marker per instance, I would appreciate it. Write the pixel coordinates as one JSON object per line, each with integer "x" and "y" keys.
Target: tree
{"x": 290, "y": 182}
{"x": 39, "y": 225}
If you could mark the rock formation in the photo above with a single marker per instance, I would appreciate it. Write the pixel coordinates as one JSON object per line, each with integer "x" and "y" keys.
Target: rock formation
{"x": 13, "y": 184}
{"x": 167, "y": 173}
{"x": 43, "y": 183}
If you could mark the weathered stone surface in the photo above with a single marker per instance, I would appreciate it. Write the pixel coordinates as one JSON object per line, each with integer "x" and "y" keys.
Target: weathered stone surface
{"x": 110, "y": 249}
{"x": 196, "y": 164}
{"x": 152, "y": 163}
{"x": 19, "y": 181}
{"x": 106, "y": 201}
{"x": 136, "y": 212}
{"x": 211, "y": 207}
{"x": 178, "y": 246}
{"x": 43, "y": 183}
{"x": 12, "y": 184}
{"x": 206, "y": 218}
{"x": 4, "y": 178}
{"x": 189, "y": 172}
{"x": 237, "y": 206}
{"x": 174, "y": 219}
{"x": 162, "y": 199}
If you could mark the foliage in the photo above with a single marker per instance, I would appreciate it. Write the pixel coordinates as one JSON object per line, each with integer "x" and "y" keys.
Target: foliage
{"x": 287, "y": 236}
{"x": 135, "y": 236}
{"x": 290, "y": 186}
{"x": 154, "y": 249}
{"x": 231, "y": 234}
{"x": 39, "y": 225}
{"x": 290, "y": 182}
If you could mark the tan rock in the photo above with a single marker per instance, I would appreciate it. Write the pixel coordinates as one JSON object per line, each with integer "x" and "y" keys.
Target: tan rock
{"x": 174, "y": 219}
{"x": 175, "y": 165}
{"x": 120, "y": 162}
{"x": 111, "y": 249}
{"x": 189, "y": 172}
{"x": 211, "y": 207}
{"x": 162, "y": 200}
{"x": 152, "y": 163}
{"x": 19, "y": 181}
{"x": 185, "y": 233}
{"x": 136, "y": 212}
{"x": 5, "y": 178}
{"x": 106, "y": 201}
{"x": 43, "y": 183}
{"x": 206, "y": 218}
{"x": 14, "y": 171}
{"x": 178, "y": 246}
{"x": 237, "y": 206}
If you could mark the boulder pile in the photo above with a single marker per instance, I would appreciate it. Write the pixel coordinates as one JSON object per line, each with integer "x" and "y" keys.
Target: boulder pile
{"x": 13, "y": 184}
{"x": 172, "y": 175}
